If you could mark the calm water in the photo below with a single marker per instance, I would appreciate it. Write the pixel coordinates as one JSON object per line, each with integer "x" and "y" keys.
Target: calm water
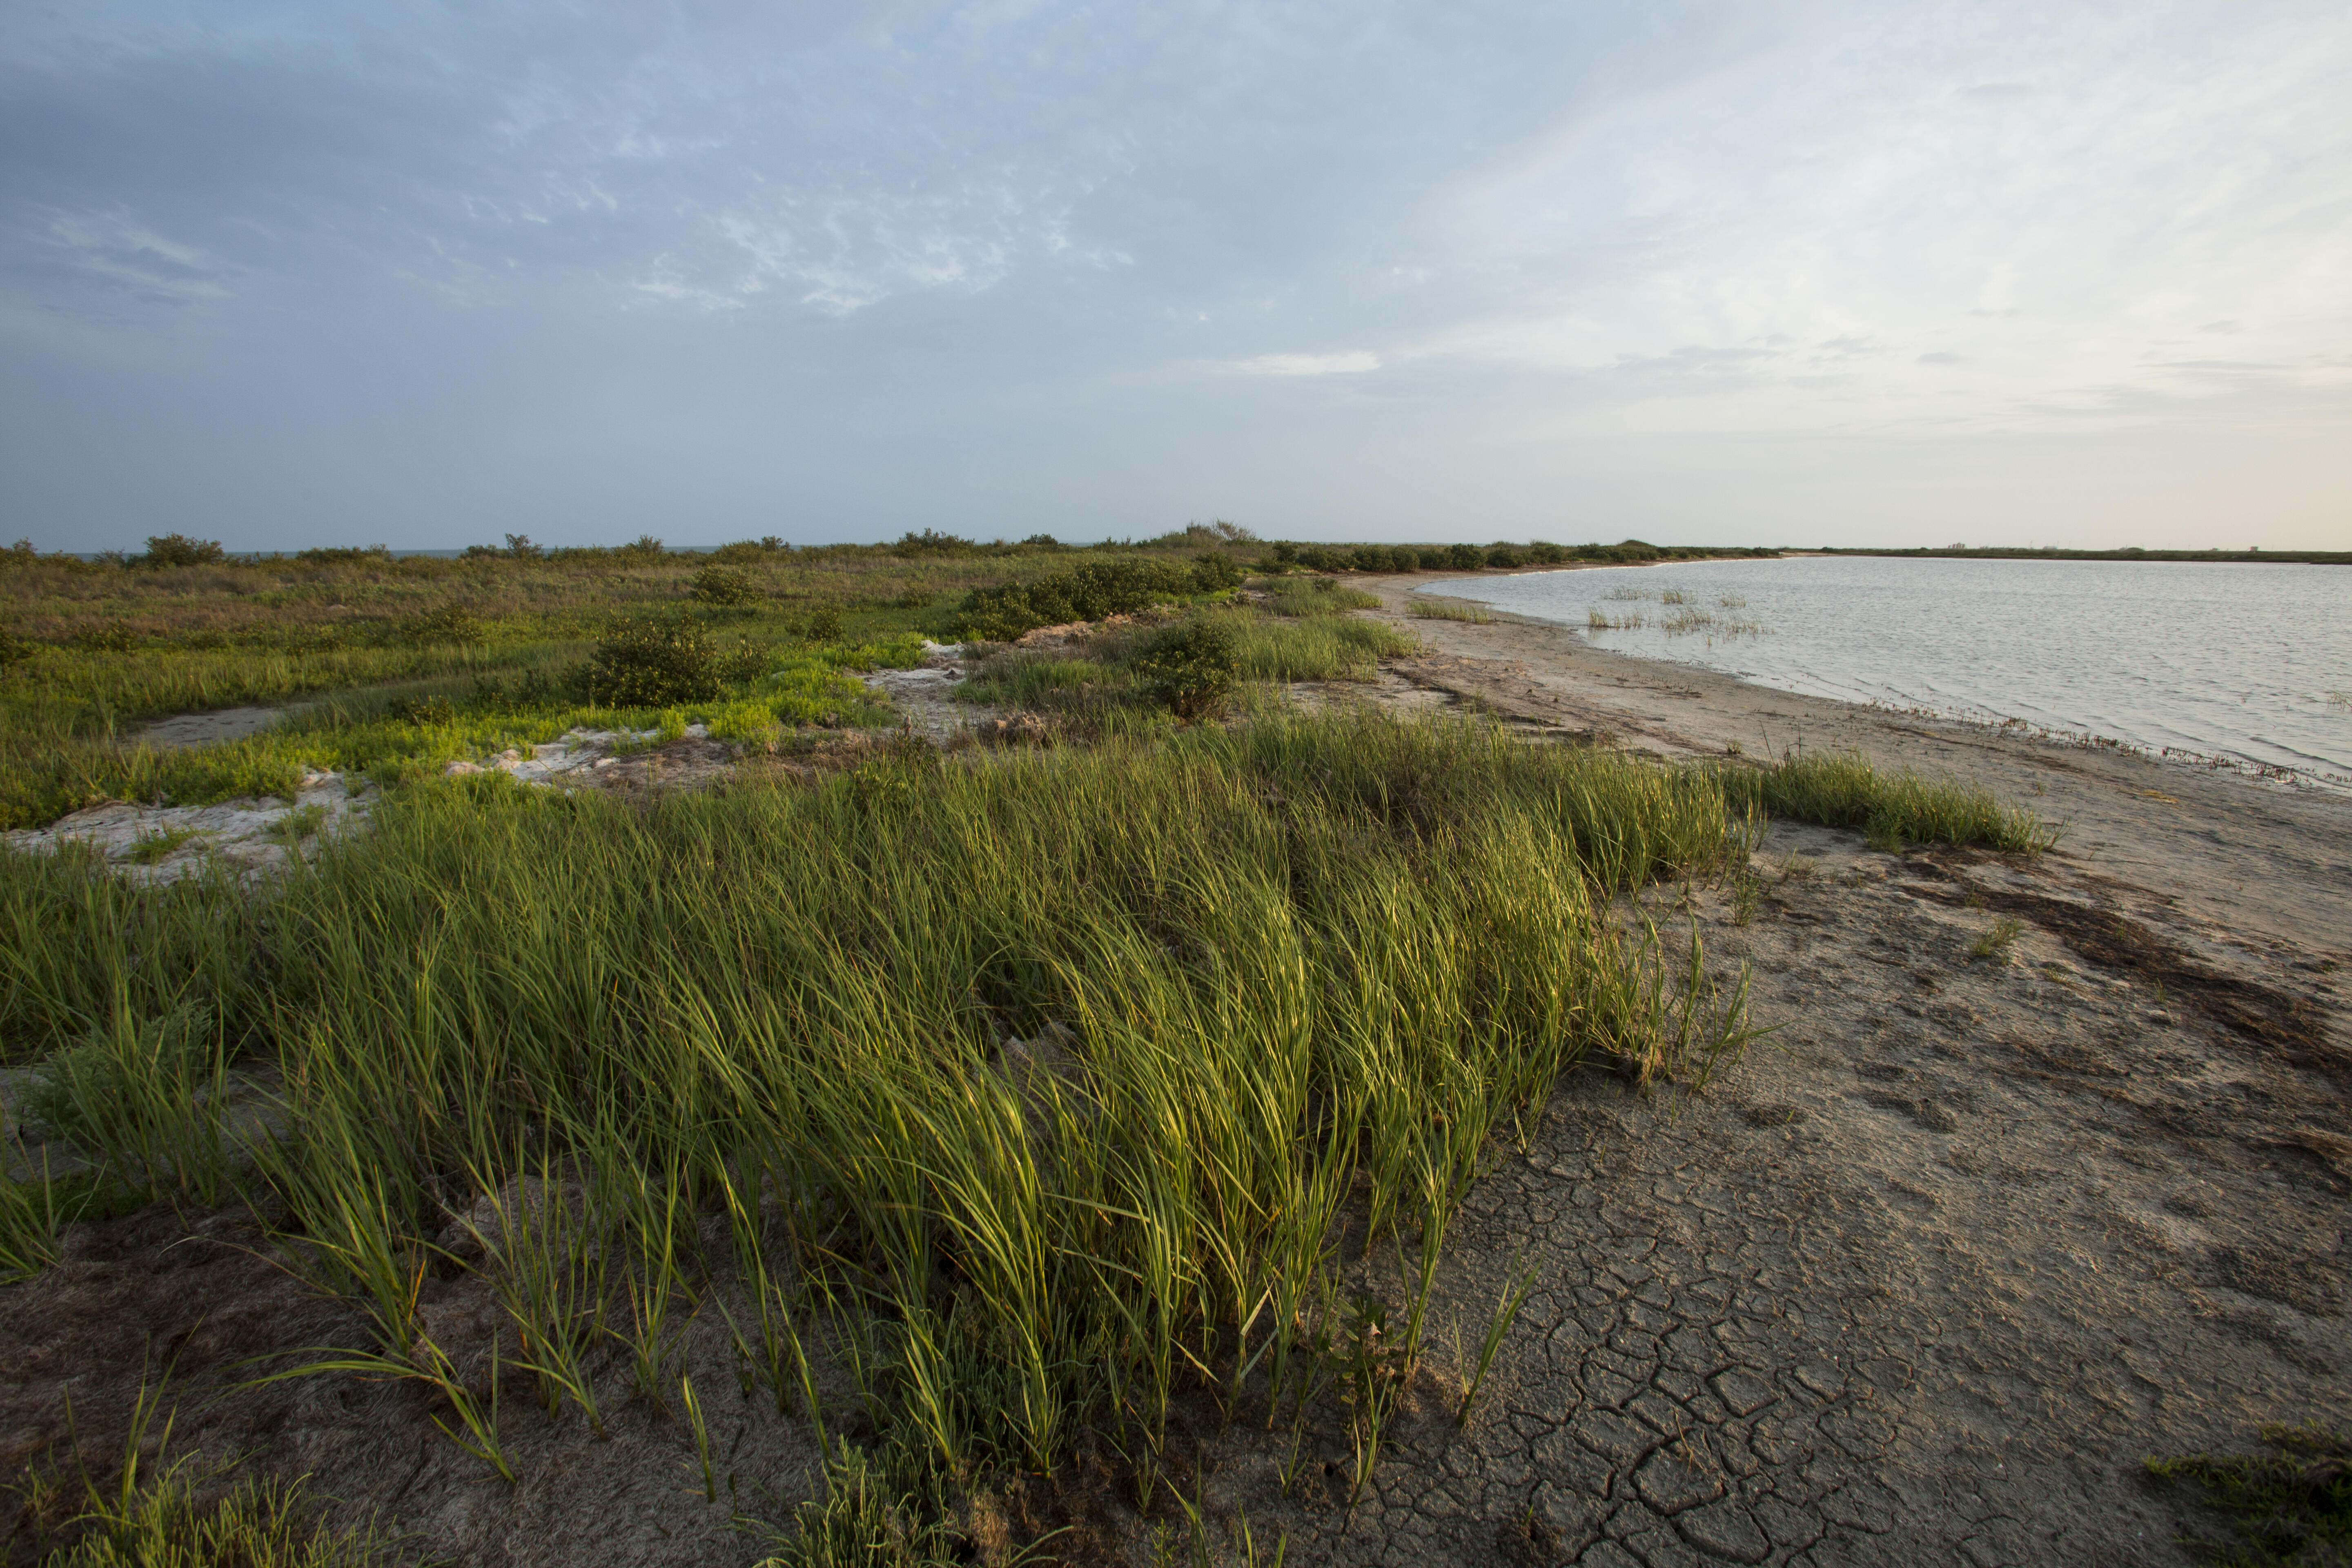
{"x": 2243, "y": 661}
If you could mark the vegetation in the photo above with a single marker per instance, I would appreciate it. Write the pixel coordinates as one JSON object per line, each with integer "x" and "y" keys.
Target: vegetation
{"x": 812, "y": 1012}
{"x": 1428, "y": 609}
{"x": 163, "y": 1512}
{"x": 1044, "y": 1095}
{"x": 2290, "y": 1507}
{"x": 1845, "y": 789}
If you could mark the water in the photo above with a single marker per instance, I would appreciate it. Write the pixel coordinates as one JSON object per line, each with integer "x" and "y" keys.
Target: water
{"x": 2250, "y": 663}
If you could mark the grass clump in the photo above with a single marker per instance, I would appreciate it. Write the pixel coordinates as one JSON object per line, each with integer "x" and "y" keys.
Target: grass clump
{"x": 1427, "y": 609}
{"x": 1319, "y": 596}
{"x": 1330, "y": 648}
{"x": 163, "y": 1512}
{"x": 1996, "y": 940}
{"x": 1298, "y": 971}
{"x": 2289, "y": 1507}
{"x": 160, "y": 844}
{"x": 1845, "y": 789}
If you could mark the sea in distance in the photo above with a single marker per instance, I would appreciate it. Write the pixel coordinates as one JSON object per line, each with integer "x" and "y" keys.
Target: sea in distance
{"x": 2247, "y": 663}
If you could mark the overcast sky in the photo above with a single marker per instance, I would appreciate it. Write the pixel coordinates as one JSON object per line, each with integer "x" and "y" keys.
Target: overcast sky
{"x": 2033, "y": 272}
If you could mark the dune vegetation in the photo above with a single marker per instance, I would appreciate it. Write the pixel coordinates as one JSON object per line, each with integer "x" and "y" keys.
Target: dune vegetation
{"x": 1027, "y": 1094}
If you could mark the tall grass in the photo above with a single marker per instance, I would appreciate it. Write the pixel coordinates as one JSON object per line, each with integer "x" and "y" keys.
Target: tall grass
{"x": 1428, "y": 609}
{"x": 1845, "y": 789}
{"x": 1068, "y": 1078}
{"x": 1324, "y": 648}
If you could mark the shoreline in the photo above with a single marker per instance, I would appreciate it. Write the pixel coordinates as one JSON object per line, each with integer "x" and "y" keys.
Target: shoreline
{"x": 2084, "y": 738}
{"x": 2018, "y": 1190}
{"x": 2279, "y": 859}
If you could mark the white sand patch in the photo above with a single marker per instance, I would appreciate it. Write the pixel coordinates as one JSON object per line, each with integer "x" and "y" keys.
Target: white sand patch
{"x": 164, "y": 842}
{"x": 573, "y": 752}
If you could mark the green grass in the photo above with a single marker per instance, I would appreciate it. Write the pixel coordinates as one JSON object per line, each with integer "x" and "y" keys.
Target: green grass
{"x": 157, "y": 1512}
{"x": 393, "y": 734}
{"x": 1305, "y": 966}
{"x": 1319, "y": 649}
{"x": 2289, "y": 1507}
{"x": 1428, "y": 609}
{"x": 1845, "y": 789}
{"x": 1319, "y": 596}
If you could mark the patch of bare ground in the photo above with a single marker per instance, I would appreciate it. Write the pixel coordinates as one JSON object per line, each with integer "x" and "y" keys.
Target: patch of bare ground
{"x": 204, "y": 1305}
{"x": 1922, "y": 1281}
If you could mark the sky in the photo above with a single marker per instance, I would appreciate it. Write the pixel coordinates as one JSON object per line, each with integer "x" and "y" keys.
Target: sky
{"x": 1807, "y": 273}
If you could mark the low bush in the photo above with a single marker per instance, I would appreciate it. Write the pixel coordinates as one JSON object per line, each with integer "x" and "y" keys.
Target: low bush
{"x": 644, "y": 662}
{"x": 723, "y": 585}
{"x": 1089, "y": 593}
{"x": 1189, "y": 670}
{"x": 179, "y": 550}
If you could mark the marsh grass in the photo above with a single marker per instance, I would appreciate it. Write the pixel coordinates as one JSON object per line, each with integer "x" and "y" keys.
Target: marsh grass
{"x": 150, "y": 848}
{"x": 1892, "y": 809}
{"x": 1428, "y": 609}
{"x": 2291, "y": 1507}
{"x": 1303, "y": 966}
{"x": 158, "y": 1511}
{"x": 1998, "y": 939}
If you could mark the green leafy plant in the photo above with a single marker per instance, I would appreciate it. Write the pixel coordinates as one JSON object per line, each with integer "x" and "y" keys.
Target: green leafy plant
{"x": 179, "y": 550}
{"x": 644, "y": 662}
{"x": 724, "y": 585}
{"x": 1189, "y": 670}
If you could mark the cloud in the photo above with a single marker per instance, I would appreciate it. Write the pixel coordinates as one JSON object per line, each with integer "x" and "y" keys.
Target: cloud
{"x": 831, "y": 268}
{"x": 114, "y": 250}
{"x": 1355, "y": 364}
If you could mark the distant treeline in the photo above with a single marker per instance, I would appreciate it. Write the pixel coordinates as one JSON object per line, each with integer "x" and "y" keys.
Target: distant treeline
{"x": 2010, "y": 553}
{"x": 1472, "y": 557}
{"x": 170, "y": 550}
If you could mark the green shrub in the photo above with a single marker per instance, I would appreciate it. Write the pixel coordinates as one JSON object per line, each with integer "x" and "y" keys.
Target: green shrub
{"x": 724, "y": 585}
{"x": 644, "y": 662}
{"x": 1089, "y": 593}
{"x": 821, "y": 624}
{"x": 1190, "y": 670}
{"x": 179, "y": 550}
{"x": 111, "y": 637}
{"x": 930, "y": 543}
{"x": 448, "y": 623}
